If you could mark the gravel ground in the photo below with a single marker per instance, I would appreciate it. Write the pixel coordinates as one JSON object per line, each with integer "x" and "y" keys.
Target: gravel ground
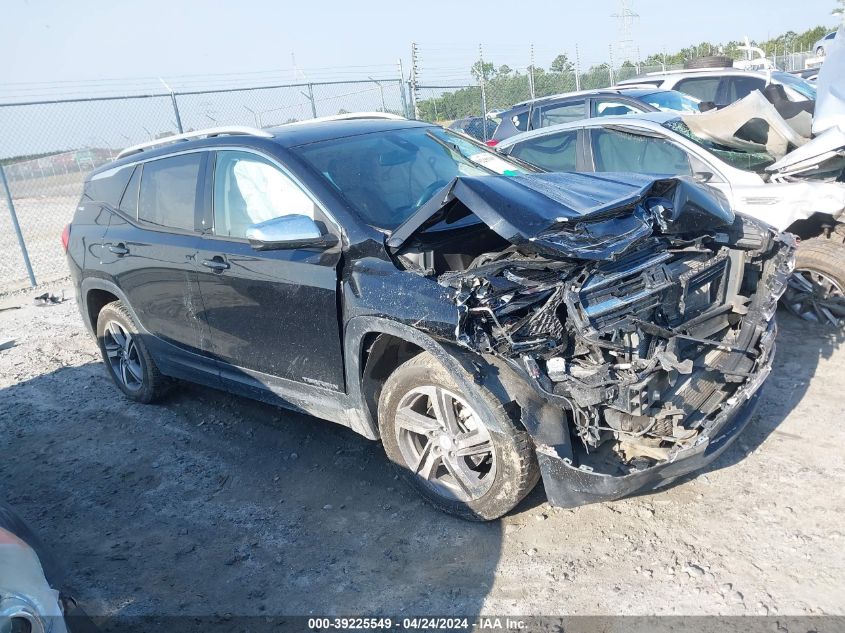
{"x": 212, "y": 504}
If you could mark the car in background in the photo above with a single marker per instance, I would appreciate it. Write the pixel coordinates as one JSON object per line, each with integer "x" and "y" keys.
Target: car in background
{"x": 573, "y": 106}
{"x": 32, "y": 599}
{"x": 723, "y": 86}
{"x": 661, "y": 143}
{"x": 479, "y": 128}
{"x": 807, "y": 74}
{"x": 488, "y": 323}
{"x": 820, "y": 47}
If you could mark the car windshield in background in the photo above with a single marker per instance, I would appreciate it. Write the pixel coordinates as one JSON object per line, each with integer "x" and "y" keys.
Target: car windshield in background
{"x": 672, "y": 101}
{"x": 798, "y": 84}
{"x": 387, "y": 176}
{"x": 748, "y": 161}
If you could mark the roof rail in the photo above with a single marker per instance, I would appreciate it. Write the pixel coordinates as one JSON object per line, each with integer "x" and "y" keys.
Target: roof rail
{"x": 352, "y": 116}
{"x": 206, "y": 133}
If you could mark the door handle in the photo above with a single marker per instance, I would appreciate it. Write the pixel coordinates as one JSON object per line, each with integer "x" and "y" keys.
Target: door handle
{"x": 118, "y": 249}
{"x": 217, "y": 264}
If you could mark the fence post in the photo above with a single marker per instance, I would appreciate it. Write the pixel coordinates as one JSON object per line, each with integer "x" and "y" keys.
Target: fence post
{"x": 402, "y": 91}
{"x": 311, "y": 99}
{"x": 483, "y": 79}
{"x": 17, "y": 227}
{"x": 176, "y": 112}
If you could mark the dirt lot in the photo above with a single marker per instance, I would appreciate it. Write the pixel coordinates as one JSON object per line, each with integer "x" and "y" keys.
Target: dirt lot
{"x": 211, "y": 504}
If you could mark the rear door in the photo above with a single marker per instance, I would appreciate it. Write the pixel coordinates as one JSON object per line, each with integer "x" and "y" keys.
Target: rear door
{"x": 274, "y": 315}
{"x": 150, "y": 249}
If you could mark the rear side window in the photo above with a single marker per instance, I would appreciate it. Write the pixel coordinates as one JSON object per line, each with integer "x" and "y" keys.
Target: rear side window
{"x": 556, "y": 152}
{"x": 704, "y": 88}
{"x": 169, "y": 191}
{"x": 610, "y": 107}
{"x": 548, "y": 115}
{"x": 108, "y": 186}
{"x": 740, "y": 87}
{"x": 614, "y": 150}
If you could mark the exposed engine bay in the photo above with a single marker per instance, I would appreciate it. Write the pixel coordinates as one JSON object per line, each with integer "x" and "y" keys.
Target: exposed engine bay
{"x": 641, "y": 328}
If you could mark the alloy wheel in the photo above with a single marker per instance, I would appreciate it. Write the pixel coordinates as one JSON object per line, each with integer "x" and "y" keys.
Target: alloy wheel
{"x": 123, "y": 356}
{"x": 814, "y": 296}
{"x": 443, "y": 441}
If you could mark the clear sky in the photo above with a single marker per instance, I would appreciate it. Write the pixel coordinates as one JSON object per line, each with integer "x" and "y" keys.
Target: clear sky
{"x": 43, "y": 42}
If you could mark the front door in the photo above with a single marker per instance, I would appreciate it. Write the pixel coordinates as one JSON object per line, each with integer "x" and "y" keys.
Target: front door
{"x": 273, "y": 315}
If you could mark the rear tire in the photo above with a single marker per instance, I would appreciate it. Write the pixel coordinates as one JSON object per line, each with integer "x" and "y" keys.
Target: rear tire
{"x": 126, "y": 356}
{"x": 710, "y": 61}
{"x": 820, "y": 51}
{"x": 816, "y": 290}
{"x": 479, "y": 486}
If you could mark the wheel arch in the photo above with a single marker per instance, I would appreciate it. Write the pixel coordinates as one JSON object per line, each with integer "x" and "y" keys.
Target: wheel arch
{"x": 95, "y": 293}
{"x": 376, "y": 346}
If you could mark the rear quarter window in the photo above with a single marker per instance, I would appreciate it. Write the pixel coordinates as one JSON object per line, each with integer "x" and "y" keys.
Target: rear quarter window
{"x": 168, "y": 194}
{"x": 108, "y": 186}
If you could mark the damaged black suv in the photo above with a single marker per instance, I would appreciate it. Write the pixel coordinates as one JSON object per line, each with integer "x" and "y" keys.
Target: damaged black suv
{"x": 488, "y": 323}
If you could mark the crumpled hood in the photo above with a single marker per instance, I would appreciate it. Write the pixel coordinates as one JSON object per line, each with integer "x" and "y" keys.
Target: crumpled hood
{"x": 583, "y": 216}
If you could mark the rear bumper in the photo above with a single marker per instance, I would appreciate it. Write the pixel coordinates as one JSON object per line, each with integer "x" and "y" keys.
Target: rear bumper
{"x": 568, "y": 486}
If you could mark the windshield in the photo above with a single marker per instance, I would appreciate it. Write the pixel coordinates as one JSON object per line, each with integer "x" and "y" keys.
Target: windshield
{"x": 672, "y": 101}
{"x": 386, "y": 176}
{"x": 802, "y": 86}
{"x": 749, "y": 161}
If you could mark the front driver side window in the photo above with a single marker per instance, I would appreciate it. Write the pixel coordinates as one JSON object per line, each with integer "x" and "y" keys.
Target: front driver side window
{"x": 249, "y": 189}
{"x": 615, "y": 150}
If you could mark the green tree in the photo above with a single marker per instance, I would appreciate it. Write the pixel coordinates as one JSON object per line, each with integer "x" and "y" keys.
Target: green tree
{"x": 840, "y": 10}
{"x": 483, "y": 70}
{"x": 561, "y": 64}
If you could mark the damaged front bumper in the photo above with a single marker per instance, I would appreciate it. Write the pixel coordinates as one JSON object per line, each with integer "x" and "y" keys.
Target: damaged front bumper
{"x": 568, "y": 486}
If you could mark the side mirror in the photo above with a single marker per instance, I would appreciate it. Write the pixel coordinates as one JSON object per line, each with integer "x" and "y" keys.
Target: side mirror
{"x": 703, "y": 176}
{"x": 287, "y": 232}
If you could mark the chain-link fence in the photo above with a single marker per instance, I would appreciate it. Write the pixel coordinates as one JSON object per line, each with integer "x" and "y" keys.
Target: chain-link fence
{"x": 47, "y": 148}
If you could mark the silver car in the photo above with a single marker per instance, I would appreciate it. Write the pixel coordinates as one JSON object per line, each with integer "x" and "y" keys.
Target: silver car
{"x": 821, "y": 46}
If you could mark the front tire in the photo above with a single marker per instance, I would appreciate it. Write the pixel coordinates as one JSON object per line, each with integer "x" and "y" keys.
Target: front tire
{"x": 126, "y": 356}
{"x": 462, "y": 464}
{"x": 816, "y": 291}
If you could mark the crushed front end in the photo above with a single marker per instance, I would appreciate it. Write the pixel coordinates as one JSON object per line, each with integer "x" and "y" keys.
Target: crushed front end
{"x": 651, "y": 330}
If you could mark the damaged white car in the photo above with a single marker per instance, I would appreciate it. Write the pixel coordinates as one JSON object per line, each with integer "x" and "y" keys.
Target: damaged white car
{"x": 808, "y": 205}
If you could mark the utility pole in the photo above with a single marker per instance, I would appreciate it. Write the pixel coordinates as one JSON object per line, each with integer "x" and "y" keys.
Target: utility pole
{"x": 415, "y": 97}
{"x": 610, "y": 47}
{"x": 626, "y": 17}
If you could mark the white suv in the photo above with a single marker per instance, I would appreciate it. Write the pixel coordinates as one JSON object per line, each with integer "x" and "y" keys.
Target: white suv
{"x": 723, "y": 86}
